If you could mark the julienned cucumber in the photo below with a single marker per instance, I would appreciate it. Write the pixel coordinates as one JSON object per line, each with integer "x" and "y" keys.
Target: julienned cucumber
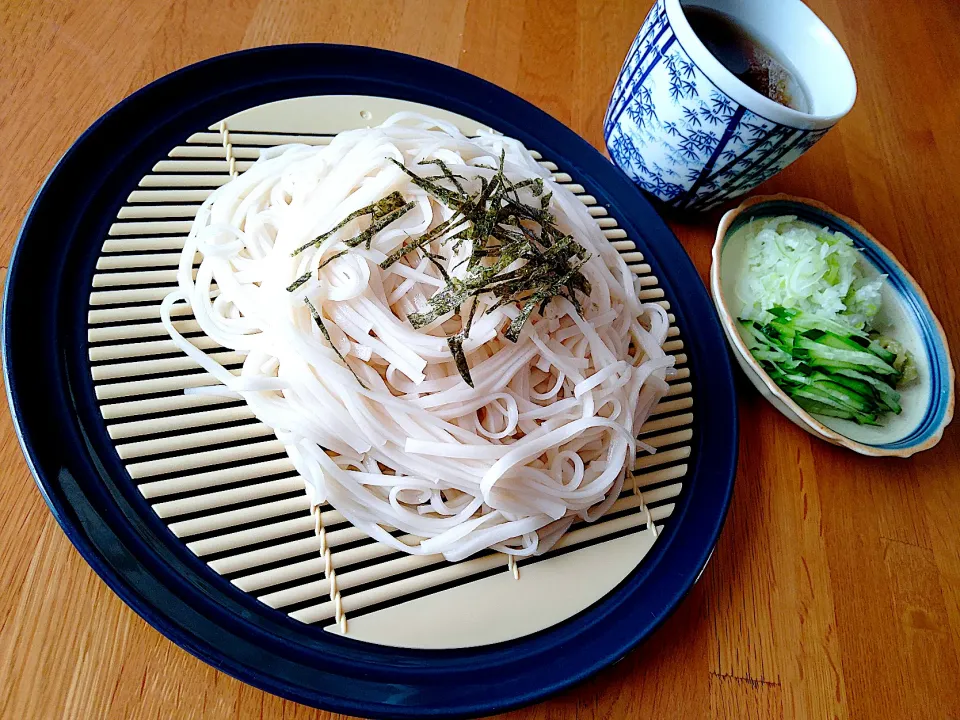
{"x": 828, "y": 368}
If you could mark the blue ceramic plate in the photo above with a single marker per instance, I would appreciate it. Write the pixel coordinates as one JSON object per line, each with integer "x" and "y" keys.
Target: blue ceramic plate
{"x": 89, "y": 492}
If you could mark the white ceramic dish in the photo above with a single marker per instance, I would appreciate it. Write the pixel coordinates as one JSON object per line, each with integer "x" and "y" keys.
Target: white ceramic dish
{"x": 927, "y": 403}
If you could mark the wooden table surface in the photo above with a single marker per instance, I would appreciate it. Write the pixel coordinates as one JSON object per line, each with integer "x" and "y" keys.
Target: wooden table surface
{"x": 835, "y": 587}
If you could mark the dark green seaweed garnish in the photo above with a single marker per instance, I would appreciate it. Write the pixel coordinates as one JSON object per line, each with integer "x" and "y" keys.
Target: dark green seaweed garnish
{"x": 326, "y": 336}
{"x": 455, "y": 343}
{"x": 502, "y": 229}
{"x": 382, "y": 213}
{"x": 331, "y": 259}
{"x": 292, "y": 287}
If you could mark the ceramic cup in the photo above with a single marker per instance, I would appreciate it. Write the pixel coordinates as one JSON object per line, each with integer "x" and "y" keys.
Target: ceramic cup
{"x": 689, "y": 132}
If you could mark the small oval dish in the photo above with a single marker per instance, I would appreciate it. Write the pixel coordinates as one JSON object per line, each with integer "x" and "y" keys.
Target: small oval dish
{"x": 927, "y": 403}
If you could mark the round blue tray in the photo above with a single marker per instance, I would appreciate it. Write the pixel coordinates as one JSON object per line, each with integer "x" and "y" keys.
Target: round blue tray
{"x": 90, "y": 493}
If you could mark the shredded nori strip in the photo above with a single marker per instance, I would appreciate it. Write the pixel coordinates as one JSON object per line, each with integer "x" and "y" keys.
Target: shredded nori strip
{"x": 422, "y": 241}
{"x": 326, "y": 336}
{"x": 450, "y": 198}
{"x": 455, "y": 343}
{"x": 388, "y": 206}
{"x": 378, "y": 224}
{"x": 298, "y": 282}
{"x": 331, "y": 259}
{"x": 455, "y": 179}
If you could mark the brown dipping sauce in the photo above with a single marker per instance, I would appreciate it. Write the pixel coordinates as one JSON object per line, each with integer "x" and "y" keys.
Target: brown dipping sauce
{"x": 749, "y": 59}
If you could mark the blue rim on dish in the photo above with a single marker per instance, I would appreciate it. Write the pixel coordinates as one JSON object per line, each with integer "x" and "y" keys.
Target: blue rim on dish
{"x": 939, "y": 410}
{"x": 102, "y": 512}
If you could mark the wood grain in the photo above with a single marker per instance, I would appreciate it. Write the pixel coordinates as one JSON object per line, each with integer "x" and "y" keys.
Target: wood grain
{"x": 835, "y": 588}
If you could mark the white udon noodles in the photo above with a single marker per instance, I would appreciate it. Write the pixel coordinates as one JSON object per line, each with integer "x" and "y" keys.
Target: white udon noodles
{"x": 548, "y": 433}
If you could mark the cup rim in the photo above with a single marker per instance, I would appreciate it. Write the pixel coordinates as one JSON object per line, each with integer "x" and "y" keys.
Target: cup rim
{"x": 729, "y": 83}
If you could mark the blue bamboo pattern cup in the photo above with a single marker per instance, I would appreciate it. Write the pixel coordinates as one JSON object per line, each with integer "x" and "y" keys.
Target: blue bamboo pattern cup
{"x": 689, "y": 132}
